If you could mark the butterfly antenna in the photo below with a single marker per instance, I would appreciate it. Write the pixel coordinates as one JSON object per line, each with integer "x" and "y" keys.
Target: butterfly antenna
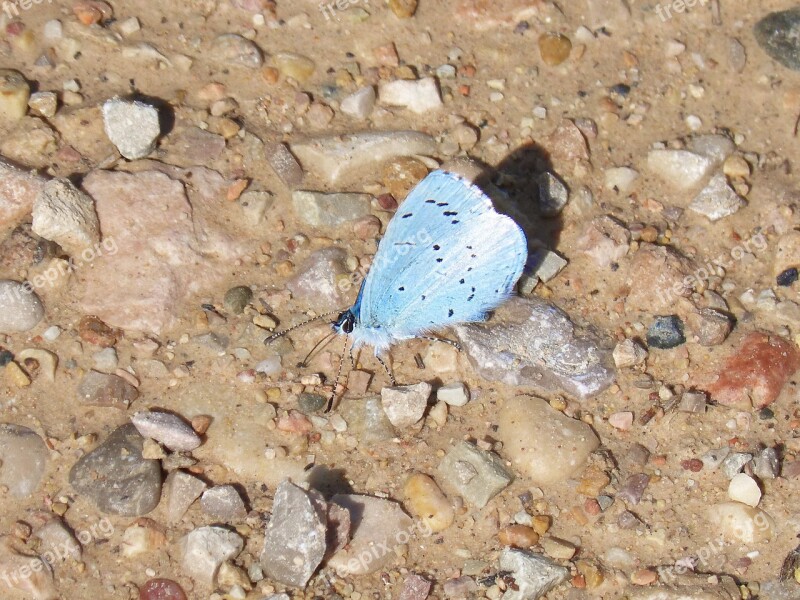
{"x": 275, "y": 336}
{"x": 338, "y": 375}
{"x": 386, "y": 368}
{"x": 431, "y": 338}
{"x": 318, "y": 346}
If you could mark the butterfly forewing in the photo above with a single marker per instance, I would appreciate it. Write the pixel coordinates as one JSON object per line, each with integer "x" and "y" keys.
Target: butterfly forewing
{"x": 447, "y": 257}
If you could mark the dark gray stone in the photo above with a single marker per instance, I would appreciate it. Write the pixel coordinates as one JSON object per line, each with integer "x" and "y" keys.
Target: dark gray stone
{"x": 779, "y": 35}
{"x": 666, "y": 332}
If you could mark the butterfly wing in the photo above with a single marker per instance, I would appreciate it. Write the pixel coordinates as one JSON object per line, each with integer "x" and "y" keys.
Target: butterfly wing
{"x": 447, "y": 257}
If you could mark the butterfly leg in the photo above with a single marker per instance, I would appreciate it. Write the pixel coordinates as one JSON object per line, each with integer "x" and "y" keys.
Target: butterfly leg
{"x": 455, "y": 345}
{"x": 336, "y": 382}
{"x": 388, "y": 371}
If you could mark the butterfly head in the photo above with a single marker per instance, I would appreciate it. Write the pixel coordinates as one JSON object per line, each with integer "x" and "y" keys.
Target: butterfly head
{"x": 345, "y": 322}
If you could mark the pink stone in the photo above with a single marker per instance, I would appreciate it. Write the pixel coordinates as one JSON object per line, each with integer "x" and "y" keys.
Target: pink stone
{"x": 753, "y": 376}
{"x": 621, "y": 420}
{"x": 491, "y": 14}
{"x": 415, "y": 588}
{"x": 18, "y": 190}
{"x": 161, "y": 589}
{"x": 566, "y": 143}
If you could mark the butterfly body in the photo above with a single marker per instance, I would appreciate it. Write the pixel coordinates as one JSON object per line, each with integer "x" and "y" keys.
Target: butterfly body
{"x": 447, "y": 257}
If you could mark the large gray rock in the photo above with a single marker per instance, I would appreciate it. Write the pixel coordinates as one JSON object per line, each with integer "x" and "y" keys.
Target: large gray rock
{"x": 778, "y": 34}
{"x": 534, "y": 575}
{"x": 295, "y": 541}
{"x": 115, "y": 476}
{"x": 474, "y": 473}
{"x": 533, "y": 343}
{"x": 23, "y": 459}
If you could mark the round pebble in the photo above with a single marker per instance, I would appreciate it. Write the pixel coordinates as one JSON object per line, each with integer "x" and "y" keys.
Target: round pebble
{"x": 309, "y": 403}
{"x": 161, "y": 589}
{"x": 554, "y": 48}
{"x": 20, "y": 307}
{"x": 237, "y": 298}
{"x": 427, "y": 502}
{"x": 233, "y": 49}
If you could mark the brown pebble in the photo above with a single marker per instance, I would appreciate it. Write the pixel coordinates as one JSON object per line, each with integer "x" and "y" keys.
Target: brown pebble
{"x": 91, "y": 11}
{"x": 403, "y": 8}
{"x": 695, "y": 465}
{"x": 644, "y": 577}
{"x": 367, "y": 228}
{"x": 578, "y": 581}
{"x": 270, "y": 74}
{"x": 541, "y": 523}
{"x": 91, "y": 329}
{"x": 554, "y": 48}
{"x": 518, "y": 536}
{"x": 387, "y": 202}
{"x": 592, "y": 507}
{"x": 161, "y": 589}
{"x": 649, "y": 234}
{"x": 236, "y": 188}
{"x": 201, "y": 423}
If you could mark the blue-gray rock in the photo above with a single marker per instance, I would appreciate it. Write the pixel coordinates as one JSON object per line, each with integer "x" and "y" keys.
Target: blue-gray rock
{"x": 534, "y": 575}
{"x": 666, "y": 332}
{"x": 779, "y": 35}
{"x": 116, "y": 477}
{"x": 553, "y": 195}
{"x": 530, "y": 342}
{"x": 23, "y": 459}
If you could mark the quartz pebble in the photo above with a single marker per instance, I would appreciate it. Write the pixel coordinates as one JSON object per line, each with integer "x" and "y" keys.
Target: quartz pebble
{"x": 717, "y": 200}
{"x": 223, "y": 502}
{"x": 426, "y": 501}
{"x": 621, "y": 420}
{"x": 205, "y": 549}
{"x": 629, "y": 353}
{"x": 633, "y": 489}
{"x": 44, "y": 104}
{"x": 167, "y": 429}
{"x": 132, "y": 126}
{"x": 419, "y": 96}
{"x": 740, "y": 523}
{"x": 233, "y": 49}
{"x": 20, "y": 307}
{"x": 360, "y": 103}
{"x": 554, "y": 48}
{"x": 298, "y": 67}
{"x": 621, "y": 179}
{"x": 405, "y": 405}
{"x": 533, "y": 574}
{"x": 454, "y": 394}
{"x": 711, "y": 326}
{"x": 682, "y": 169}
{"x": 744, "y": 488}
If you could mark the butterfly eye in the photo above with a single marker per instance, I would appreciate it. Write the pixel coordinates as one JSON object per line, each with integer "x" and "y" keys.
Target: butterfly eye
{"x": 347, "y": 325}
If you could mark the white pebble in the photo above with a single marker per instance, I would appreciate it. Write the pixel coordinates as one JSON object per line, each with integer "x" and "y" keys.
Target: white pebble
{"x": 744, "y": 488}
{"x": 454, "y": 394}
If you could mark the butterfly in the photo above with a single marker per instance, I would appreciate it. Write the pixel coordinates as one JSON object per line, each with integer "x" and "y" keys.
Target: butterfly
{"x": 447, "y": 257}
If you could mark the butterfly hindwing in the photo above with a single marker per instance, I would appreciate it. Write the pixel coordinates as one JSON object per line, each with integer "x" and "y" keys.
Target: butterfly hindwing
{"x": 447, "y": 257}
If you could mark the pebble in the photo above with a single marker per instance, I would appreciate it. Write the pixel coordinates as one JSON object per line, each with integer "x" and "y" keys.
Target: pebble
{"x": 142, "y": 537}
{"x": 682, "y": 169}
{"x": 533, "y": 574}
{"x": 360, "y": 103}
{"x": 778, "y": 34}
{"x": 549, "y": 353}
{"x": 693, "y": 402}
{"x": 558, "y": 548}
{"x": 518, "y": 536}
{"x": 405, "y": 405}
{"x": 743, "y": 488}
{"x": 666, "y": 332}
{"x": 181, "y": 489}
{"x": 415, "y": 587}
{"x": 553, "y": 195}
{"x": 204, "y": 549}
{"x": 44, "y": 104}
{"x": 298, "y": 67}
{"x": 379, "y": 526}
{"x": 546, "y": 264}
{"x": 317, "y": 281}
{"x": 787, "y": 253}
{"x": 717, "y": 200}
{"x": 65, "y": 215}
{"x": 319, "y": 209}
{"x": 29, "y": 575}
{"x": 766, "y": 464}
{"x": 403, "y": 9}
{"x": 105, "y": 389}
{"x": 633, "y": 489}
{"x": 621, "y": 179}
{"x": 132, "y": 126}
{"x": 167, "y": 429}
{"x": 787, "y": 278}
{"x": 223, "y": 503}
{"x": 115, "y": 476}
{"x": 755, "y": 373}
{"x": 566, "y": 142}
{"x": 734, "y": 463}
{"x": 401, "y": 174}
{"x": 740, "y": 523}
{"x": 14, "y": 95}
{"x": 460, "y": 587}
{"x": 20, "y": 307}
{"x": 605, "y": 240}
{"x": 425, "y": 500}
{"x": 629, "y": 353}
{"x": 621, "y": 420}
{"x": 161, "y": 589}
{"x": 237, "y": 298}
{"x": 417, "y": 95}
{"x": 367, "y": 420}
{"x": 233, "y": 49}
{"x": 554, "y": 48}
{"x": 96, "y": 332}
{"x": 308, "y": 403}
{"x": 23, "y": 459}
{"x": 105, "y": 359}
{"x": 454, "y": 394}
{"x": 476, "y": 474}
{"x": 333, "y": 157}
{"x": 711, "y": 326}
{"x": 284, "y": 164}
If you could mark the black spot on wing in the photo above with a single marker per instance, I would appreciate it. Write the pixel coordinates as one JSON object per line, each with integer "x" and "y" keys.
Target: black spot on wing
{"x": 405, "y": 216}
{"x": 437, "y": 247}
{"x": 401, "y": 289}
{"x": 455, "y": 222}
{"x": 438, "y": 260}
{"x": 449, "y": 213}
{"x": 442, "y": 204}
{"x": 430, "y": 201}
{"x": 450, "y": 312}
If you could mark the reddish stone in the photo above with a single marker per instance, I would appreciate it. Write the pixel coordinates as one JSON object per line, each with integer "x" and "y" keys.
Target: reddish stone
{"x": 387, "y": 202}
{"x": 93, "y": 330}
{"x": 161, "y": 589}
{"x": 294, "y": 422}
{"x": 791, "y": 470}
{"x": 415, "y": 588}
{"x": 592, "y": 507}
{"x": 695, "y": 465}
{"x": 753, "y": 376}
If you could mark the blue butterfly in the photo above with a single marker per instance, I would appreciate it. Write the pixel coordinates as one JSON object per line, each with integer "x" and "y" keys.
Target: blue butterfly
{"x": 447, "y": 257}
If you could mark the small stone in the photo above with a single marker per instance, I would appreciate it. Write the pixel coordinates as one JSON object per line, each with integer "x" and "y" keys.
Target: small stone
{"x": 115, "y": 476}
{"x": 318, "y": 279}
{"x": 367, "y": 420}
{"x": 367, "y": 228}
{"x": 605, "y": 240}
{"x": 778, "y": 33}
{"x": 454, "y": 394}
{"x": 741, "y": 523}
{"x": 204, "y": 549}
{"x": 161, "y": 589}
{"x": 711, "y": 326}
{"x": 566, "y": 143}
{"x": 403, "y": 9}
{"x": 20, "y": 307}
{"x": 460, "y": 587}
{"x": 65, "y": 215}
{"x": 359, "y": 104}
{"x": 593, "y": 481}
{"x": 766, "y": 464}
{"x": 129, "y": 26}
{"x": 132, "y": 126}
{"x": 717, "y": 200}
{"x": 754, "y": 375}
{"x": 330, "y": 210}
{"x": 298, "y": 67}
{"x": 553, "y": 194}
{"x": 533, "y": 574}
{"x": 554, "y": 48}
{"x": 426, "y": 501}
{"x": 682, "y": 169}
{"x": 141, "y": 537}
{"x": 558, "y": 548}
{"x": 308, "y": 403}
{"x": 415, "y": 587}
{"x": 621, "y": 420}
{"x": 16, "y": 375}
{"x": 787, "y": 253}
{"x": 23, "y": 459}
{"x": 44, "y": 104}
{"x": 474, "y": 473}
{"x": 744, "y": 488}
{"x": 233, "y": 49}
{"x": 105, "y": 389}
{"x": 106, "y": 360}
{"x": 787, "y": 278}
{"x": 734, "y": 463}
{"x": 419, "y": 96}
{"x": 633, "y": 489}
{"x": 518, "y": 536}
{"x": 167, "y": 429}
{"x": 693, "y": 402}
{"x": 30, "y": 576}
{"x": 401, "y": 174}
{"x": 666, "y": 332}
{"x": 621, "y": 179}
{"x": 14, "y": 95}
{"x": 181, "y": 490}
{"x": 94, "y": 331}
{"x": 629, "y": 353}
{"x": 405, "y": 405}
{"x": 223, "y": 502}
{"x": 736, "y": 166}
{"x": 237, "y": 298}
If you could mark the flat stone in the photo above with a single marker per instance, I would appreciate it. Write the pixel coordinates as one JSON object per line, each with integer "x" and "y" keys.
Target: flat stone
{"x": 482, "y": 16}
{"x": 534, "y": 575}
{"x": 104, "y": 389}
{"x": 295, "y": 538}
{"x": 405, "y": 405}
{"x": 605, "y": 240}
{"x": 132, "y": 126}
{"x": 367, "y": 420}
{"x": 633, "y": 489}
{"x": 681, "y": 169}
{"x": 542, "y": 443}
{"x": 18, "y": 191}
{"x": 454, "y": 394}
{"x": 181, "y": 490}
{"x": 20, "y": 307}
{"x": 115, "y": 476}
{"x": 317, "y": 280}
{"x": 476, "y": 474}
{"x": 687, "y": 586}
{"x": 223, "y": 503}
{"x": 333, "y": 157}
{"x": 284, "y": 164}
{"x": 546, "y": 264}
{"x": 530, "y": 342}
{"x": 378, "y": 527}
{"x": 417, "y": 95}
{"x": 23, "y": 459}
{"x": 194, "y": 146}
{"x": 717, "y": 200}
{"x": 755, "y": 373}
{"x": 553, "y": 194}
{"x": 658, "y": 279}
{"x": 693, "y": 402}
{"x": 778, "y": 34}
{"x": 330, "y": 210}
{"x": 415, "y": 587}
{"x": 766, "y": 464}
{"x": 65, "y": 215}
{"x": 167, "y": 429}
{"x": 629, "y": 353}
{"x": 204, "y": 549}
